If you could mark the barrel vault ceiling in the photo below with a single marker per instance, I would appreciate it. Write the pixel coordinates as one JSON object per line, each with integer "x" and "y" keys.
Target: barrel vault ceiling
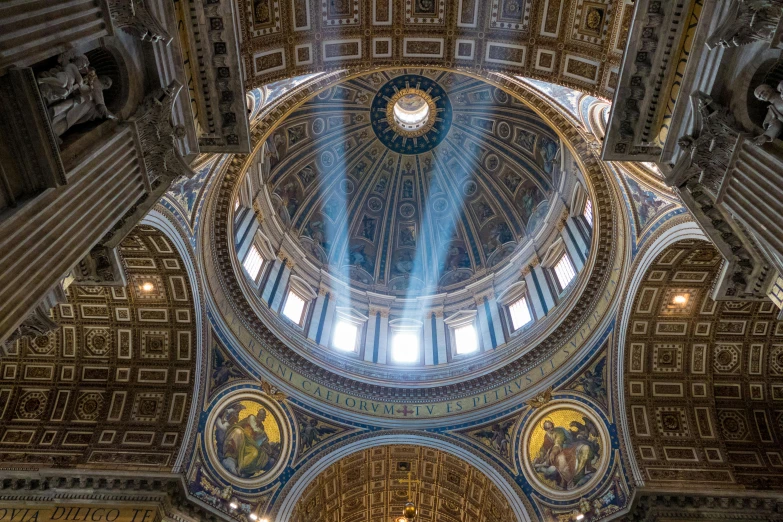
{"x": 112, "y": 386}
{"x": 369, "y": 486}
{"x": 704, "y": 379}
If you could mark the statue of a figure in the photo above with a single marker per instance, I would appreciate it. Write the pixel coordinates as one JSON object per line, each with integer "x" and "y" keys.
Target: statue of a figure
{"x": 73, "y": 92}
{"x": 85, "y": 104}
{"x": 747, "y": 21}
{"x": 773, "y": 122}
{"x": 62, "y": 81}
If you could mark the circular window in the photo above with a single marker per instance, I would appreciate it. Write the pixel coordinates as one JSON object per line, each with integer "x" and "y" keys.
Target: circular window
{"x": 411, "y": 112}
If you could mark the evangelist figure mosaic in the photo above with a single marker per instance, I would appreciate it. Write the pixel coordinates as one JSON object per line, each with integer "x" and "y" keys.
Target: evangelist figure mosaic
{"x": 564, "y": 449}
{"x": 247, "y": 439}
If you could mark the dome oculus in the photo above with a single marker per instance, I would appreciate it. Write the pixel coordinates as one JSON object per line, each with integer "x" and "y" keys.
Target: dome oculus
{"x": 411, "y": 114}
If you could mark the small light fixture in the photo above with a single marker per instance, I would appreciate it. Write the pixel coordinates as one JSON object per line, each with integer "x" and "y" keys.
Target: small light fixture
{"x": 233, "y": 505}
{"x": 253, "y": 516}
{"x": 580, "y": 516}
{"x": 680, "y": 299}
{"x": 409, "y": 512}
{"x": 147, "y": 287}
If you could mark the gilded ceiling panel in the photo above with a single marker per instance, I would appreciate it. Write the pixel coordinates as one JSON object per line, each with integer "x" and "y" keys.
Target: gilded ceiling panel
{"x": 572, "y": 42}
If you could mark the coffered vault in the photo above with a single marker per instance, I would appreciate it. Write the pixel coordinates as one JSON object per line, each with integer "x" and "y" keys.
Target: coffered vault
{"x": 577, "y": 43}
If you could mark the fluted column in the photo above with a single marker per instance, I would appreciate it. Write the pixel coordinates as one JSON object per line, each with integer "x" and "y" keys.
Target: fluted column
{"x": 45, "y": 238}
{"x": 752, "y": 191}
{"x": 33, "y": 30}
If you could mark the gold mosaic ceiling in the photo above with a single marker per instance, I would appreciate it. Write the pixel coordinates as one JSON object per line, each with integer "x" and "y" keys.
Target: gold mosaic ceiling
{"x": 366, "y": 487}
{"x": 703, "y": 379}
{"x": 113, "y": 384}
{"x": 578, "y": 43}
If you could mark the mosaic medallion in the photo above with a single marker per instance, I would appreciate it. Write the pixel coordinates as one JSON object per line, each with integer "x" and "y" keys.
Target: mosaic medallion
{"x": 565, "y": 450}
{"x": 249, "y": 440}
{"x": 411, "y": 114}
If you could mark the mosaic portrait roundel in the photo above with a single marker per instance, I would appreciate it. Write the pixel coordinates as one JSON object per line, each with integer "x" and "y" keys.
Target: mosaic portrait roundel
{"x": 247, "y": 438}
{"x": 565, "y": 450}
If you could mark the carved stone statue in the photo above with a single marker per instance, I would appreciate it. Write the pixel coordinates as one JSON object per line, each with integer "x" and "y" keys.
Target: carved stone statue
{"x": 73, "y": 92}
{"x": 85, "y": 104}
{"x": 62, "y": 81}
{"x": 747, "y": 21}
{"x": 773, "y": 122}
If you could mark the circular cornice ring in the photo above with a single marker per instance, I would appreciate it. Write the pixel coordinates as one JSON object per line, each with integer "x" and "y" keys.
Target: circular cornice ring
{"x": 419, "y": 128}
{"x": 579, "y": 320}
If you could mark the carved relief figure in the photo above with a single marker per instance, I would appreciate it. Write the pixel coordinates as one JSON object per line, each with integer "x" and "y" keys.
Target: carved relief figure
{"x": 456, "y": 257}
{"x": 407, "y": 235}
{"x": 529, "y": 197}
{"x": 310, "y": 433}
{"x": 497, "y": 436}
{"x": 499, "y": 234}
{"x": 289, "y": 194}
{"x": 706, "y": 155}
{"x": 548, "y": 151}
{"x": 358, "y": 257}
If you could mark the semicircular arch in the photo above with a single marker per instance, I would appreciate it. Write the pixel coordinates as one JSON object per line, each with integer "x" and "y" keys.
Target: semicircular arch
{"x": 300, "y": 482}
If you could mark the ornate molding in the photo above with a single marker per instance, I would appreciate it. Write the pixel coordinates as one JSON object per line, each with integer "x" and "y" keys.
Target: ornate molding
{"x": 40, "y": 321}
{"x": 698, "y": 177}
{"x": 749, "y": 21}
{"x": 134, "y": 17}
{"x": 650, "y": 506}
{"x": 157, "y": 134}
{"x": 102, "y": 266}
